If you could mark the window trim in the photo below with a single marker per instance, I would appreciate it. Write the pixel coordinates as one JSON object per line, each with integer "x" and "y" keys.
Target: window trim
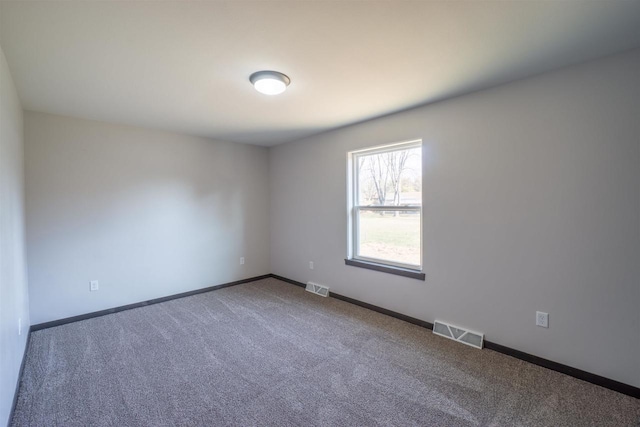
{"x": 414, "y": 274}
{"x": 353, "y": 258}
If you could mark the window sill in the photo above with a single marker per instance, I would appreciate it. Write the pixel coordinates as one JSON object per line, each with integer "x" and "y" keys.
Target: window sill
{"x": 386, "y": 269}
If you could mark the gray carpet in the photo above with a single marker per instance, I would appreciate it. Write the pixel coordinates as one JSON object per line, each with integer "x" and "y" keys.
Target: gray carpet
{"x": 269, "y": 353}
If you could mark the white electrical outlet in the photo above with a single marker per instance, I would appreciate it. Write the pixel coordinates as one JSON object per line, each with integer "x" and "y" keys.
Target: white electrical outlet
{"x": 310, "y": 265}
{"x": 94, "y": 285}
{"x": 542, "y": 319}
{"x": 241, "y": 260}
{"x": 19, "y": 325}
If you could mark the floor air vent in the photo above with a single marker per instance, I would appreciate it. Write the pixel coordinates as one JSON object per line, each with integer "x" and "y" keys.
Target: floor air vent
{"x": 465, "y": 336}
{"x": 323, "y": 291}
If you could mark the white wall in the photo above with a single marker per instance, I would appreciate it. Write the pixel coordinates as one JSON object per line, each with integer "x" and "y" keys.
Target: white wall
{"x": 146, "y": 213}
{"x": 531, "y": 202}
{"x": 14, "y": 297}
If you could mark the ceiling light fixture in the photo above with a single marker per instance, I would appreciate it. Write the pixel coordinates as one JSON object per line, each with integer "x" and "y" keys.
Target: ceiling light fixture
{"x": 269, "y": 82}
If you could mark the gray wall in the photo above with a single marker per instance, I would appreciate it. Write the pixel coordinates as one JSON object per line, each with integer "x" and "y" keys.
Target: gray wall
{"x": 146, "y": 213}
{"x": 531, "y": 202}
{"x": 14, "y": 297}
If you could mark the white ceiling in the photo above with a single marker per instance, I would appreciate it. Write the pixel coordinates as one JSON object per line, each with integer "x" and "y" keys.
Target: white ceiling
{"x": 184, "y": 66}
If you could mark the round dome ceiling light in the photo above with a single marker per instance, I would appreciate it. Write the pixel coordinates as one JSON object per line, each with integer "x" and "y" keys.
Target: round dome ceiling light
{"x": 269, "y": 82}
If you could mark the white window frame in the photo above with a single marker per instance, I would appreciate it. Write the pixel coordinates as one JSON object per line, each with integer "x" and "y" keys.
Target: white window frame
{"x": 353, "y": 191}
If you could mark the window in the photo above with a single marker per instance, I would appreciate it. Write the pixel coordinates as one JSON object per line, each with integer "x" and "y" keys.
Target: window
{"x": 385, "y": 202}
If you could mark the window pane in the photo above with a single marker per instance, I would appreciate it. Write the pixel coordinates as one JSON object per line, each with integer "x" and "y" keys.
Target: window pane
{"x": 390, "y": 178}
{"x": 390, "y": 236}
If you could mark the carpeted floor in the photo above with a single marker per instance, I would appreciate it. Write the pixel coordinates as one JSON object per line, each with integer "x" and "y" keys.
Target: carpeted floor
{"x": 269, "y": 353}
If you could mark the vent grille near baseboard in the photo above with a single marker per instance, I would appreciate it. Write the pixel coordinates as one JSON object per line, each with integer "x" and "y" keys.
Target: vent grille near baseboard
{"x": 318, "y": 289}
{"x": 465, "y": 336}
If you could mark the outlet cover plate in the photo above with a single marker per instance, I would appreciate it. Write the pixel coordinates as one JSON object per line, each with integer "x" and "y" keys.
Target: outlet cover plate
{"x": 542, "y": 319}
